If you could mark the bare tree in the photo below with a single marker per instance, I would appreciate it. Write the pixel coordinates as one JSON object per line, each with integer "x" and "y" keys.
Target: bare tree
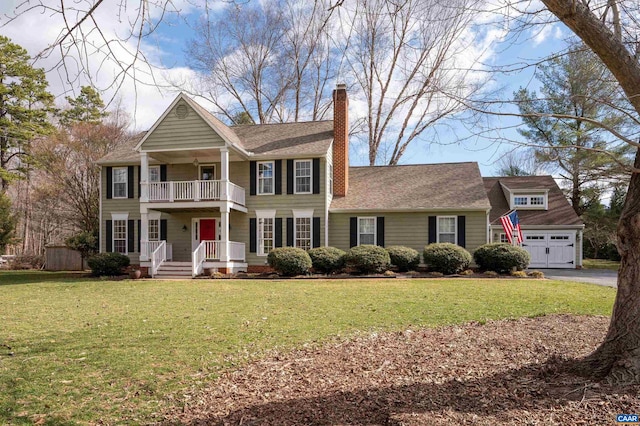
{"x": 402, "y": 58}
{"x": 517, "y": 162}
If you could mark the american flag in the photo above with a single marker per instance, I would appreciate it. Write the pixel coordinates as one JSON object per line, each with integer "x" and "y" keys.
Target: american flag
{"x": 510, "y": 222}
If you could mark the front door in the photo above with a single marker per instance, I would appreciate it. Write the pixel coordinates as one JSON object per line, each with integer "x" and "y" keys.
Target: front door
{"x": 207, "y": 229}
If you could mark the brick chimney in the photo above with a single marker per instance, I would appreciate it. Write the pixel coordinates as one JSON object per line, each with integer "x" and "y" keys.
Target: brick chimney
{"x": 340, "y": 141}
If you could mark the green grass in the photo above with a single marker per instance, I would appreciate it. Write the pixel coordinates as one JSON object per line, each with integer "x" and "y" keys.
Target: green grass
{"x": 600, "y": 264}
{"x": 114, "y": 351}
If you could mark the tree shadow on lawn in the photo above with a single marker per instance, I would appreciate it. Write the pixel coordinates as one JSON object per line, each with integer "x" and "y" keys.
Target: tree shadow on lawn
{"x": 535, "y": 394}
{"x": 32, "y": 277}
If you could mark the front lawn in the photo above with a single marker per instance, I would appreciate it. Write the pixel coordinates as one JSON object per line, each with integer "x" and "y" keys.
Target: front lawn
{"x": 600, "y": 264}
{"x": 78, "y": 350}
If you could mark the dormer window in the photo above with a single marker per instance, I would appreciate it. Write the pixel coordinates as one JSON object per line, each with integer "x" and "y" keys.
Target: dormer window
{"x": 529, "y": 201}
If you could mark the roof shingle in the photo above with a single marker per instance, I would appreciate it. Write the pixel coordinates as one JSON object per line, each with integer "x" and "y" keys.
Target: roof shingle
{"x": 423, "y": 187}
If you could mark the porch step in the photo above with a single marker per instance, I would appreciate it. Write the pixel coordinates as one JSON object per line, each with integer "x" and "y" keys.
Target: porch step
{"x": 174, "y": 270}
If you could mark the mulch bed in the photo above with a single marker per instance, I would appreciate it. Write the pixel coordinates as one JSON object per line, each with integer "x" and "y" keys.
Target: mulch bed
{"x": 502, "y": 372}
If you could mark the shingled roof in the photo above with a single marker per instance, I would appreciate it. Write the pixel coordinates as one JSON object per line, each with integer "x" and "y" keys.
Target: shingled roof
{"x": 560, "y": 211}
{"x": 454, "y": 186}
{"x": 124, "y": 153}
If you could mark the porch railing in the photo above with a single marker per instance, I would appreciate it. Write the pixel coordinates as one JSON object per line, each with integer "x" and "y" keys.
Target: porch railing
{"x": 194, "y": 190}
{"x": 148, "y": 247}
{"x": 236, "y": 251}
{"x": 198, "y": 258}
{"x": 158, "y": 256}
{"x": 213, "y": 250}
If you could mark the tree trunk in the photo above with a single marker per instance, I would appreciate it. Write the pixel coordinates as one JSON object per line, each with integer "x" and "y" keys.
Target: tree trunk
{"x": 618, "y": 357}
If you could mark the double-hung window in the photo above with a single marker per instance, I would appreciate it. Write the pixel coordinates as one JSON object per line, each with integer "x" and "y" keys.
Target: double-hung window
{"x": 154, "y": 173}
{"x": 119, "y": 182}
{"x": 303, "y": 233}
{"x": 447, "y": 229}
{"x": 154, "y": 230}
{"x": 265, "y": 177}
{"x": 366, "y": 230}
{"x": 265, "y": 235}
{"x": 120, "y": 236}
{"x": 302, "y": 176}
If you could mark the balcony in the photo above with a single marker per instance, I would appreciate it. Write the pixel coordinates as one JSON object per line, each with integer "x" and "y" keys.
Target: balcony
{"x": 195, "y": 190}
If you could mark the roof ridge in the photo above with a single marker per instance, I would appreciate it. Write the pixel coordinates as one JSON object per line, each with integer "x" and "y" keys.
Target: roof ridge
{"x": 414, "y": 165}
{"x": 279, "y": 124}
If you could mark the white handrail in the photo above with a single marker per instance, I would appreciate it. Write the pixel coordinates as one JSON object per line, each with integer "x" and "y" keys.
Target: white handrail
{"x": 237, "y": 194}
{"x": 195, "y": 190}
{"x": 158, "y": 256}
{"x": 198, "y": 258}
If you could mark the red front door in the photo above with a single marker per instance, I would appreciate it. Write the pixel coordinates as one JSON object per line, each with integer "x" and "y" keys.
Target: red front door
{"x": 207, "y": 229}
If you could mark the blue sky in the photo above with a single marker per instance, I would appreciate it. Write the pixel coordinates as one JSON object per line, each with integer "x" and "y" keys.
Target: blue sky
{"x": 168, "y": 45}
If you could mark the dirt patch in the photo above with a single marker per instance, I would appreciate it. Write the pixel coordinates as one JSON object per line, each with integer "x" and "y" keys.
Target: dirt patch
{"x": 503, "y": 372}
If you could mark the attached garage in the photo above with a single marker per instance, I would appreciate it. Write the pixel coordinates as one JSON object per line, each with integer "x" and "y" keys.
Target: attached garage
{"x": 550, "y": 249}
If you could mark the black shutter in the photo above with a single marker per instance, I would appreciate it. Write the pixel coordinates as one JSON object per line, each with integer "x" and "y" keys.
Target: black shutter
{"x": 163, "y": 172}
{"x": 139, "y": 181}
{"x": 109, "y": 236}
{"x": 163, "y": 229}
{"x": 139, "y": 235}
{"x": 289, "y": 176}
{"x": 316, "y": 175}
{"x": 253, "y": 244}
{"x": 109, "y": 183}
{"x": 353, "y": 232}
{"x": 462, "y": 231}
{"x": 432, "y": 230}
{"x": 380, "y": 231}
{"x": 278, "y": 179}
{"x": 289, "y": 232}
{"x": 131, "y": 247}
{"x": 252, "y": 180}
{"x": 316, "y": 232}
{"x": 278, "y": 242}
{"x": 130, "y": 182}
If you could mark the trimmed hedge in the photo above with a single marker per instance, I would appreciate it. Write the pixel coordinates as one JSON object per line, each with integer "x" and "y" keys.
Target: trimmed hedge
{"x": 108, "y": 264}
{"x": 501, "y": 257}
{"x": 446, "y": 258}
{"x": 368, "y": 259}
{"x": 405, "y": 258}
{"x": 327, "y": 260}
{"x": 289, "y": 261}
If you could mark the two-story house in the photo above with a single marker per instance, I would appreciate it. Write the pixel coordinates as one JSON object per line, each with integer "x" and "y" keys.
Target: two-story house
{"x": 194, "y": 193}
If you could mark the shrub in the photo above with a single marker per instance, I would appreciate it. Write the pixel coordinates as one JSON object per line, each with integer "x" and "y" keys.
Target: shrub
{"x": 446, "y": 258}
{"x": 289, "y": 261}
{"x": 26, "y": 262}
{"x": 501, "y": 257}
{"x": 327, "y": 259}
{"x": 491, "y": 273}
{"x": 108, "y": 264}
{"x": 467, "y": 272}
{"x": 536, "y": 274}
{"x": 368, "y": 259}
{"x": 405, "y": 258}
{"x": 519, "y": 274}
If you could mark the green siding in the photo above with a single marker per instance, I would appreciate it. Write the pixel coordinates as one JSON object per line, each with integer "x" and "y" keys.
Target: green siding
{"x": 408, "y": 229}
{"x": 182, "y": 133}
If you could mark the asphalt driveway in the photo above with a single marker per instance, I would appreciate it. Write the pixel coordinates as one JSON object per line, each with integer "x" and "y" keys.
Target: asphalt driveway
{"x": 604, "y": 277}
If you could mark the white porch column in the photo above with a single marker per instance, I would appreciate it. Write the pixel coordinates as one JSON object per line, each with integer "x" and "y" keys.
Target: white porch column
{"x": 224, "y": 173}
{"x": 144, "y": 176}
{"x": 144, "y": 236}
{"x": 224, "y": 233}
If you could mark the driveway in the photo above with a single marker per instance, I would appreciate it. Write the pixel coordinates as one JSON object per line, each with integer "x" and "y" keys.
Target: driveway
{"x": 604, "y": 277}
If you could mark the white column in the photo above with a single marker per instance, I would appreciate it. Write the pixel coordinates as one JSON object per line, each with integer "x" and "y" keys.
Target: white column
{"x": 224, "y": 173}
{"x": 580, "y": 243}
{"x": 144, "y": 176}
{"x": 224, "y": 232}
{"x": 144, "y": 236}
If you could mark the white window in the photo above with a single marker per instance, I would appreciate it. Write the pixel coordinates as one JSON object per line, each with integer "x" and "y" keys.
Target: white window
{"x": 265, "y": 230}
{"x": 120, "y": 236}
{"x": 265, "y": 177}
{"x": 521, "y": 201}
{"x": 119, "y": 182}
{"x": 537, "y": 200}
{"x": 154, "y": 230}
{"x": 154, "y": 174}
{"x": 331, "y": 179}
{"x": 303, "y": 233}
{"x": 302, "y": 176}
{"x": 366, "y": 230}
{"x": 446, "y": 229}
{"x": 503, "y": 238}
{"x": 207, "y": 172}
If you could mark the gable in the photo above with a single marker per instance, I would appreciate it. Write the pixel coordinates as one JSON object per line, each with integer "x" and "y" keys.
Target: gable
{"x": 181, "y": 128}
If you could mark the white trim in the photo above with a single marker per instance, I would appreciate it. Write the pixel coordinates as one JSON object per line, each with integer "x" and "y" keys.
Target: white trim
{"x": 295, "y": 176}
{"x": 375, "y": 228}
{"x": 455, "y": 228}
{"x": 262, "y": 215}
{"x": 300, "y": 213}
{"x": 528, "y": 194}
{"x": 200, "y": 166}
{"x": 154, "y": 215}
{"x": 265, "y": 213}
{"x": 113, "y": 183}
{"x": 413, "y": 210}
{"x": 273, "y": 177}
{"x": 155, "y": 167}
{"x": 120, "y": 216}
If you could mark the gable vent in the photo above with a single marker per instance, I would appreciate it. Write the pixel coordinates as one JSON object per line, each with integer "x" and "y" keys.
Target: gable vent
{"x": 182, "y": 111}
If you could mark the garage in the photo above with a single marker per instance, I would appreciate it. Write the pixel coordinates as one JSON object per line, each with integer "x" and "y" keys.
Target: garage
{"x": 550, "y": 249}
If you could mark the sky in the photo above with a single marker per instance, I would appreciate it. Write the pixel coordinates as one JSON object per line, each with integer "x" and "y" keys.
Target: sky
{"x": 165, "y": 49}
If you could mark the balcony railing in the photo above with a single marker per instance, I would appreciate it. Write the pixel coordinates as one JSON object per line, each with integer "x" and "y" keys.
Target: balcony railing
{"x": 194, "y": 190}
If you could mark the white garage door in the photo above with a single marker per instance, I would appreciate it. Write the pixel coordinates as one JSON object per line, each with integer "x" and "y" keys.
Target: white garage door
{"x": 550, "y": 249}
